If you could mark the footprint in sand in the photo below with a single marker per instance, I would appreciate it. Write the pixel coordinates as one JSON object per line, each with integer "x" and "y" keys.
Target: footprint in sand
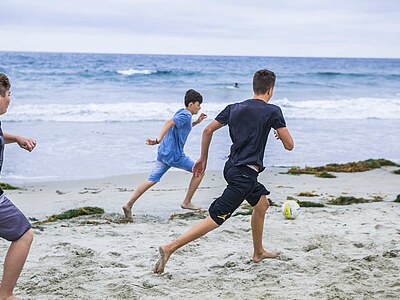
{"x": 311, "y": 247}
{"x": 84, "y": 252}
{"x": 358, "y": 245}
{"x": 391, "y": 253}
{"x": 118, "y": 265}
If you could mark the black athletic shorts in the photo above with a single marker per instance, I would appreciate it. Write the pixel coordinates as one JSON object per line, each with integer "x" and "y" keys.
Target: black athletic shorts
{"x": 242, "y": 185}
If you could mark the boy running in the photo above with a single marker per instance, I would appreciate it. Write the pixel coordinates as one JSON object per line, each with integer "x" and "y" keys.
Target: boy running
{"x": 249, "y": 124}
{"x": 172, "y": 140}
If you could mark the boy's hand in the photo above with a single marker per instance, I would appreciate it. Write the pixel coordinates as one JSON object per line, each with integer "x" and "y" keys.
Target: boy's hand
{"x": 199, "y": 167}
{"x": 152, "y": 142}
{"x": 276, "y": 135}
{"x": 26, "y": 143}
{"x": 201, "y": 118}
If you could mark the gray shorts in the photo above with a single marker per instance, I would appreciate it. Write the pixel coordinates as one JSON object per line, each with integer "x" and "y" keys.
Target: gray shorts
{"x": 13, "y": 223}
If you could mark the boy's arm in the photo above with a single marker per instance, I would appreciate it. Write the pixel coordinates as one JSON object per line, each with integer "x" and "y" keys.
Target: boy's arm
{"x": 283, "y": 134}
{"x": 25, "y": 143}
{"x": 199, "y": 119}
{"x": 163, "y": 132}
{"x": 200, "y": 166}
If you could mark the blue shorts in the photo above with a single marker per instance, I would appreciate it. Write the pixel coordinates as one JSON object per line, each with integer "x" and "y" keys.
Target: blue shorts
{"x": 13, "y": 223}
{"x": 185, "y": 163}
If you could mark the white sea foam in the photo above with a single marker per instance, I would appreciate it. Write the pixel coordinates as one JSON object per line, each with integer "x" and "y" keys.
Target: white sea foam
{"x": 352, "y": 109}
{"x": 129, "y": 72}
{"x": 343, "y": 109}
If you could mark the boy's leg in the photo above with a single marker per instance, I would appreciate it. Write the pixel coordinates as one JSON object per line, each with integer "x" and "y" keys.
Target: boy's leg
{"x": 192, "y": 234}
{"x": 143, "y": 187}
{"x": 186, "y": 163}
{"x": 257, "y": 226}
{"x": 194, "y": 184}
{"x": 220, "y": 210}
{"x": 154, "y": 177}
{"x": 14, "y": 262}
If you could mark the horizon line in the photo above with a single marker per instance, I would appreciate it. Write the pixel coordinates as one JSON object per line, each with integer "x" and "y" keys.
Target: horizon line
{"x": 218, "y": 55}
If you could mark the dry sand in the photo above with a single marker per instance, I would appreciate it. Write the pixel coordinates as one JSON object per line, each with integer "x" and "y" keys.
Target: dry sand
{"x": 335, "y": 252}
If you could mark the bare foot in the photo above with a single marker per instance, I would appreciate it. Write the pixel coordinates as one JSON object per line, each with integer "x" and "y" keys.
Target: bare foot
{"x": 189, "y": 206}
{"x": 12, "y": 297}
{"x": 264, "y": 255}
{"x": 162, "y": 261}
{"x": 127, "y": 212}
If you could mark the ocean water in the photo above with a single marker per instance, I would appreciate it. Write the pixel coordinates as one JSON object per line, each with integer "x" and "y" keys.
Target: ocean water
{"x": 91, "y": 113}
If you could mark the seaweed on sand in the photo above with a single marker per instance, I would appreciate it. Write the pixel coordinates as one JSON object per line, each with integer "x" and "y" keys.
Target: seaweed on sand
{"x": 307, "y": 194}
{"x": 347, "y": 200}
{"x": 73, "y": 213}
{"x": 305, "y": 203}
{"x": 324, "y": 175}
{"x": 6, "y": 186}
{"x": 360, "y": 166}
{"x": 310, "y": 204}
{"x": 198, "y": 214}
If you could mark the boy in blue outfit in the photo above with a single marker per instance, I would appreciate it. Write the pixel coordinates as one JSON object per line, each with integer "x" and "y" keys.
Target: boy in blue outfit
{"x": 14, "y": 226}
{"x": 171, "y": 142}
{"x": 249, "y": 124}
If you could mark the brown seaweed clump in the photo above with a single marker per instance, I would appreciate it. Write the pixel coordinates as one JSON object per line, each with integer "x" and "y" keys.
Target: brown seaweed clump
{"x": 305, "y": 203}
{"x": 73, "y": 213}
{"x": 307, "y": 194}
{"x": 6, "y": 186}
{"x": 198, "y": 214}
{"x": 347, "y": 200}
{"x": 324, "y": 175}
{"x": 360, "y": 166}
{"x": 310, "y": 204}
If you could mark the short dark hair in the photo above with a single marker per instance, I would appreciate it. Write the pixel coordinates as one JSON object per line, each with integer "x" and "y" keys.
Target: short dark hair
{"x": 192, "y": 96}
{"x": 4, "y": 84}
{"x": 263, "y": 80}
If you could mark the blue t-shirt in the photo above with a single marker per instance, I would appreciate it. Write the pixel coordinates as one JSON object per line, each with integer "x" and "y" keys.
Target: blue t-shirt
{"x": 171, "y": 147}
{"x": 249, "y": 124}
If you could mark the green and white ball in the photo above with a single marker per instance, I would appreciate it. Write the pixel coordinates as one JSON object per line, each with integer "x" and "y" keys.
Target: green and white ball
{"x": 290, "y": 209}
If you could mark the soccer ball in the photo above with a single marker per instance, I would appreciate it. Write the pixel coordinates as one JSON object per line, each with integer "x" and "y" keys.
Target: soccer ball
{"x": 291, "y": 209}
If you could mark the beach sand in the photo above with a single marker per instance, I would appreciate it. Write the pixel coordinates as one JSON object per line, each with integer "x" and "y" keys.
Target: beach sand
{"x": 334, "y": 252}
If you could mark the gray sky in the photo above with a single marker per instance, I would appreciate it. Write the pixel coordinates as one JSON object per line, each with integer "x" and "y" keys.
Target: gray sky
{"x": 340, "y": 28}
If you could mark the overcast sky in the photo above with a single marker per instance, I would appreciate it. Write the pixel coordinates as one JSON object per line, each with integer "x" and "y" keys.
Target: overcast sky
{"x": 325, "y": 28}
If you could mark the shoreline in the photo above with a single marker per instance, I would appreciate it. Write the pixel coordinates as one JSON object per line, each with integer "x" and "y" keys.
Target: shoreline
{"x": 112, "y": 192}
{"x": 339, "y": 252}
{"x": 131, "y": 155}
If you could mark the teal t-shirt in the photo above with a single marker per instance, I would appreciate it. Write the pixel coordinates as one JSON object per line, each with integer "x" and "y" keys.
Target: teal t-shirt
{"x": 171, "y": 148}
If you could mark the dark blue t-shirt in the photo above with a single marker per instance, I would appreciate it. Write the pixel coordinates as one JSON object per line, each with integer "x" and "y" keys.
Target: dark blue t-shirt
{"x": 249, "y": 124}
{"x": 1, "y": 147}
